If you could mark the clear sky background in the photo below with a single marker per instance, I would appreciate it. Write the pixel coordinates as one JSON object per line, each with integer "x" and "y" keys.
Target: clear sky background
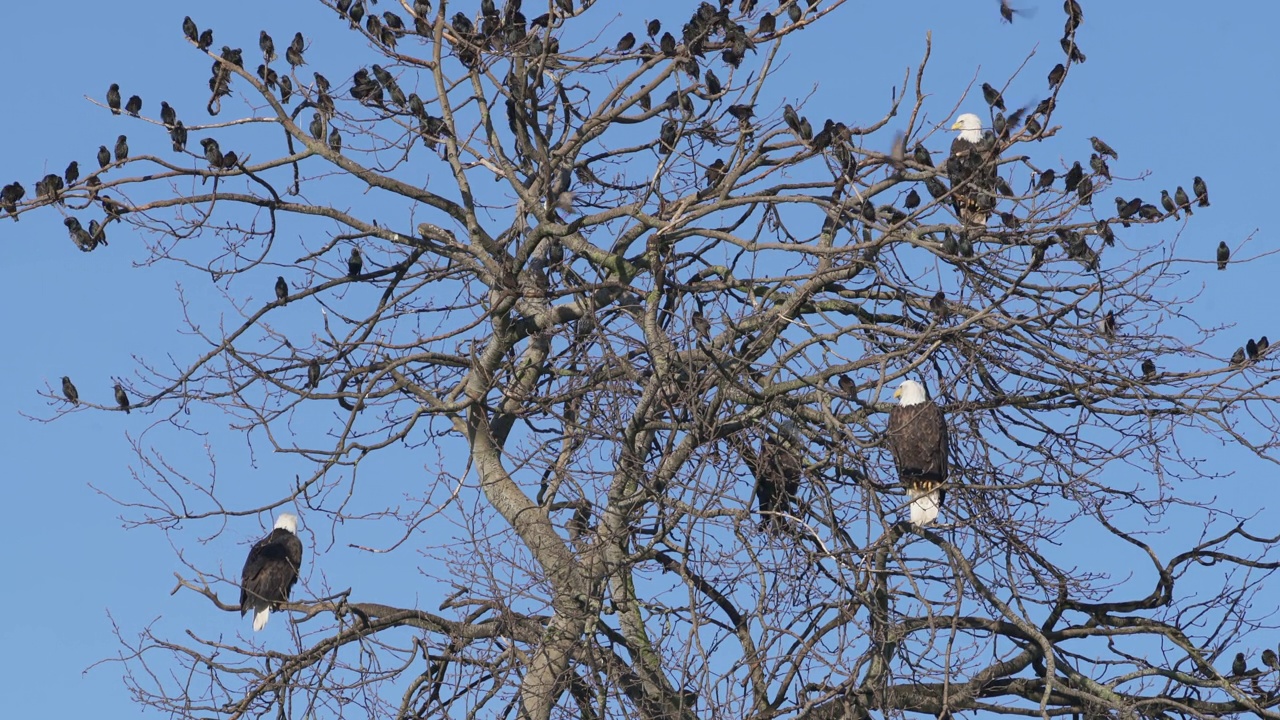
{"x": 1179, "y": 88}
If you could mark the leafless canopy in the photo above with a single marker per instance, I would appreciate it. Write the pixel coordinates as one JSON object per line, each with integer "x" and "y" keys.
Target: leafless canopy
{"x": 594, "y": 275}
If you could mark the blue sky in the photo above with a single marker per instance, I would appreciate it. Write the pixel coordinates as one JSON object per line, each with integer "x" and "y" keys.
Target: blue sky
{"x": 1178, "y": 88}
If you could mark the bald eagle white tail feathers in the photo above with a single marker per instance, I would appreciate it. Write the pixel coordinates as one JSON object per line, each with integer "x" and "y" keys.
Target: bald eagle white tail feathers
{"x": 924, "y": 506}
{"x": 260, "y": 617}
{"x": 917, "y": 439}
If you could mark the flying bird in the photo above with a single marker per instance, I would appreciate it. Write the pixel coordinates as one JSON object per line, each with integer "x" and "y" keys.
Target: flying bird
{"x": 271, "y": 570}
{"x": 917, "y": 438}
{"x": 113, "y": 98}
{"x": 1007, "y": 12}
{"x": 69, "y": 391}
{"x": 972, "y": 170}
{"x": 1202, "y": 192}
{"x": 122, "y": 399}
{"x": 282, "y": 290}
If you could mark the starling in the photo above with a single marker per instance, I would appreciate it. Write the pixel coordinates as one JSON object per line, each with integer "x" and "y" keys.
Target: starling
{"x": 1263, "y": 345}
{"x": 72, "y": 173}
{"x": 712, "y": 82}
{"x": 282, "y": 290}
{"x": 913, "y": 200}
{"x": 294, "y": 53}
{"x": 742, "y": 112}
{"x": 1202, "y": 192}
{"x": 1109, "y": 324}
{"x": 97, "y": 233}
{"x": 122, "y": 148}
{"x": 79, "y": 235}
{"x": 1056, "y": 75}
{"x": 715, "y": 173}
{"x": 794, "y": 12}
{"x": 1046, "y": 179}
{"x": 335, "y": 140}
{"x": 1099, "y": 165}
{"x": 1180, "y": 197}
{"x": 668, "y": 135}
{"x": 1033, "y": 127}
{"x": 1167, "y": 203}
{"x": 1074, "y": 176}
{"x": 133, "y": 106}
{"x": 627, "y": 42}
{"x": 847, "y": 386}
{"x": 1238, "y": 666}
{"x": 229, "y": 160}
{"x": 167, "y": 114}
{"x": 1128, "y": 209}
{"x": 701, "y": 325}
{"x": 1104, "y": 232}
{"x": 938, "y": 303}
{"x": 355, "y": 263}
{"x": 1269, "y": 659}
{"x": 206, "y": 40}
{"x": 1251, "y": 349}
{"x": 286, "y": 89}
{"x": 69, "y": 391}
{"x": 212, "y": 152}
{"x": 1085, "y": 191}
{"x": 113, "y": 98}
{"x": 790, "y": 117}
{"x": 921, "y": 155}
{"x": 178, "y": 134}
{"x": 667, "y": 44}
{"x": 1148, "y": 212}
{"x": 233, "y": 56}
{"x": 992, "y": 96}
{"x": 104, "y": 156}
{"x": 190, "y": 30}
{"x": 1103, "y": 148}
{"x": 122, "y": 399}
{"x": 768, "y": 23}
{"x": 313, "y": 374}
{"x": 267, "y": 46}
{"x": 317, "y": 126}
{"x": 1148, "y": 369}
{"x": 1237, "y": 358}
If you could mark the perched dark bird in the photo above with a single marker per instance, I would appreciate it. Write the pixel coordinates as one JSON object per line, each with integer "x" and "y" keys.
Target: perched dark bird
{"x": 1128, "y": 209}
{"x": 768, "y": 24}
{"x": 1238, "y": 666}
{"x": 1073, "y": 177}
{"x": 122, "y": 399}
{"x": 190, "y": 30}
{"x": 1046, "y": 179}
{"x": 1056, "y": 75}
{"x": 917, "y": 439}
{"x": 79, "y": 235}
{"x": 313, "y": 374}
{"x": 668, "y": 135}
{"x": 1105, "y": 232}
{"x": 133, "y": 106}
{"x": 267, "y": 46}
{"x": 335, "y": 140}
{"x": 72, "y": 173}
{"x": 1180, "y": 197}
{"x": 294, "y": 53}
{"x": 69, "y": 391}
{"x": 1103, "y": 148}
{"x": 712, "y": 82}
{"x": 178, "y": 134}
{"x": 1263, "y": 345}
{"x": 122, "y": 148}
{"x": 938, "y": 303}
{"x": 1202, "y": 192}
{"x": 229, "y": 160}
{"x": 1084, "y": 191}
{"x": 1148, "y": 369}
{"x": 97, "y": 233}
{"x": 286, "y": 89}
{"x": 627, "y": 42}
{"x": 355, "y": 263}
{"x": 913, "y": 200}
{"x": 282, "y": 290}
{"x": 317, "y": 126}
{"x": 104, "y": 156}
{"x": 715, "y": 172}
{"x": 1251, "y": 349}
{"x": 167, "y": 114}
{"x": 1033, "y": 127}
{"x": 206, "y": 40}
{"x": 1167, "y": 203}
{"x": 701, "y": 325}
{"x": 794, "y": 12}
{"x": 667, "y": 44}
{"x": 1099, "y": 165}
{"x": 847, "y": 386}
{"x": 992, "y": 96}
{"x": 1149, "y": 212}
{"x": 742, "y": 112}
{"x": 271, "y": 570}
{"x": 1108, "y": 325}
{"x": 113, "y": 98}
{"x": 1269, "y": 659}
{"x": 212, "y": 152}
{"x": 1237, "y": 358}
{"x": 653, "y": 27}
{"x": 790, "y": 117}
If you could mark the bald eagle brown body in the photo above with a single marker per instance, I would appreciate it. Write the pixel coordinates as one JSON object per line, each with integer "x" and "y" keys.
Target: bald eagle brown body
{"x": 777, "y": 468}
{"x": 270, "y": 571}
{"x": 917, "y": 439}
{"x": 972, "y": 169}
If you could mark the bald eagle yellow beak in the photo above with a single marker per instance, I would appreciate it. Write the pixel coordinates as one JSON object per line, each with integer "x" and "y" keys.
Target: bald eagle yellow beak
{"x": 897, "y": 393}
{"x": 956, "y": 125}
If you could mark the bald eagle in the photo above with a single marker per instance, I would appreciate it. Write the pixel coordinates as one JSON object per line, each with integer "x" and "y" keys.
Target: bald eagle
{"x": 972, "y": 170}
{"x": 917, "y": 439}
{"x": 271, "y": 570}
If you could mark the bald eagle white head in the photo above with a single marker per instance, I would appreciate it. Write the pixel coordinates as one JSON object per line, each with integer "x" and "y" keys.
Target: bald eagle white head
{"x": 972, "y": 170}
{"x": 917, "y": 437}
{"x": 271, "y": 570}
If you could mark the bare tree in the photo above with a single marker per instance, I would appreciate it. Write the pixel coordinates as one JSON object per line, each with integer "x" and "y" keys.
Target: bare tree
{"x": 614, "y": 295}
